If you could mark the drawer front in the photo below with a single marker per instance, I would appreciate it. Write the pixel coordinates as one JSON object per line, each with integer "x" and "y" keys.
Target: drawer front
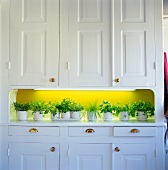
{"x": 33, "y": 131}
{"x": 90, "y": 131}
{"x": 134, "y": 131}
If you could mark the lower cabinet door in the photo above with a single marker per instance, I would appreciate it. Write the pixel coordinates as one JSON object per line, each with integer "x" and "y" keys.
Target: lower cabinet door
{"x": 134, "y": 157}
{"x": 33, "y": 156}
{"x": 90, "y": 157}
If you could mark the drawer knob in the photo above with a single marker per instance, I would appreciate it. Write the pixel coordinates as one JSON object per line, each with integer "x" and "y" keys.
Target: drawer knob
{"x": 52, "y": 79}
{"x": 117, "y": 149}
{"x": 117, "y": 80}
{"x": 134, "y": 131}
{"x": 33, "y": 130}
{"x": 89, "y": 131}
{"x": 52, "y": 149}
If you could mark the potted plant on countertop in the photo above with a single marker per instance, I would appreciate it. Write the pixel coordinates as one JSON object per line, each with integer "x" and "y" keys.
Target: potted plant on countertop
{"x": 54, "y": 109}
{"x": 65, "y": 107}
{"x": 75, "y": 109}
{"x": 106, "y": 109}
{"x": 21, "y": 110}
{"x": 92, "y": 110}
{"x": 123, "y": 112}
{"x": 38, "y": 108}
{"x": 144, "y": 109}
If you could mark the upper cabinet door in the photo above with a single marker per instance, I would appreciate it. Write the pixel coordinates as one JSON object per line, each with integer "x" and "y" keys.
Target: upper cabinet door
{"x": 34, "y": 42}
{"x": 89, "y": 51}
{"x": 134, "y": 48}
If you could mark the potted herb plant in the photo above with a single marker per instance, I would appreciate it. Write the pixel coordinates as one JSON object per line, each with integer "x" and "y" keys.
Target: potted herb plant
{"x": 75, "y": 109}
{"x": 144, "y": 110}
{"x": 92, "y": 110}
{"x": 21, "y": 109}
{"x": 106, "y": 109}
{"x": 124, "y": 113}
{"x": 54, "y": 109}
{"x": 39, "y": 108}
{"x": 65, "y": 108}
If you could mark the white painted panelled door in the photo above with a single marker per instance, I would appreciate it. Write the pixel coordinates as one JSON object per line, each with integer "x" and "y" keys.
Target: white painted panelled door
{"x": 34, "y": 42}
{"x": 33, "y": 156}
{"x": 134, "y": 48}
{"x": 134, "y": 157}
{"x": 89, "y": 43}
{"x": 90, "y": 157}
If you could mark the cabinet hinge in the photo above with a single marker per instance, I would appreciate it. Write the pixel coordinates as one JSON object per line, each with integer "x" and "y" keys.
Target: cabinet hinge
{"x": 155, "y": 152}
{"x": 8, "y": 151}
{"x": 9, "y": 65}
{"x": 68, "y": 153}
{"x": 68, "y": 65}
{"x": 154, "y": 65}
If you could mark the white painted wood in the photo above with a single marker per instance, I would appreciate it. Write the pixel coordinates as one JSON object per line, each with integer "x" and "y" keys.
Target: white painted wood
{"x": 34, "y": 42}
{"x": 33, "y": 156}
{"x": 126, "y": 131}
{"x": 134, "y": 48}
{"x": 134, "y": 156}
{"x": 88, "y": 43}
{"x": 89, "y": 156}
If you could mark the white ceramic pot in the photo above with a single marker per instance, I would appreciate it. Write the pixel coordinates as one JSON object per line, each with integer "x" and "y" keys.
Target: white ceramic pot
{"x": 107, "y": 116}
{"x": 75, "y": 115}
{"x": 92, "y": 116}
{"x": 22, "y": 115}
{"x": 55, "y": 117}
{"x": 124, "y": 116}
{"x": 66, "y": 115}
{"x": 141, "y": 116}
{"x": 38, "y": 116}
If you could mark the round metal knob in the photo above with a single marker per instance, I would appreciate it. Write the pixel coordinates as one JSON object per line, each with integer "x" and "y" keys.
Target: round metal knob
{"x": 52, "y": 149}
{"x": 89, "y": 131}
{"x": 52, "y": 79}
{"x": 117, "y": 149}
{"x": 117, "y": 80}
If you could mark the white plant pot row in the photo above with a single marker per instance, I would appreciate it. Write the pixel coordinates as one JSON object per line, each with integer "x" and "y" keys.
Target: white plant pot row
{"x": 22, "y": 116}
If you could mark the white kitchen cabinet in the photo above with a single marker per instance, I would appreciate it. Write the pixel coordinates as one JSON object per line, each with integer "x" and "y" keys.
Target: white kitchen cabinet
{"x": 84, "y": 43}
{"x": 34, "y": 42}
{"x": 89, "y": 156}
{"x": 33, "y": 156}
{"x": 134, "y": 156}
{"x": 134, "y": 42}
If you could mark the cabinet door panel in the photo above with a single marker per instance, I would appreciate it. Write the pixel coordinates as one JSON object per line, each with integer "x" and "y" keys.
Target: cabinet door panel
{"x": 34, "y": 42}
{"x": 134, "y": 49}
{"x": 33, "y": 156}
{"x": 89, "y": 156}
{"x": 134, "y": 156}
{"x": 89, "y": 43}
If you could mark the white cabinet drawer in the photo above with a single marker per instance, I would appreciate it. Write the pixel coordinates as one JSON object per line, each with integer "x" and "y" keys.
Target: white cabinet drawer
{"x": 33, "y": 131}
{"x": 90, "y": 131}
{"x": 134, "y": 131}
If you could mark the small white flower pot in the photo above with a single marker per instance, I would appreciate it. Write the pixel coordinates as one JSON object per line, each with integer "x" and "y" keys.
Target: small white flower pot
{"x": 55, "y": 117}
{"x": 107, "y": 116}
{"x": 75, "y": 115}
{"x": 66, "y": 115}
{"x": 38, "y": 116}
{"x": 141, "y": 116}
{"x": 92, "y": 116}
{"x": 22, "y": 115}
{"x": 124, "y": 116}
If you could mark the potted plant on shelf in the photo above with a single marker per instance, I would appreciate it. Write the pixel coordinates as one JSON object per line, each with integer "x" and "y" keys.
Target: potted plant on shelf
{"x": 144, "y": 110}
{"x": 54, "y": 109}
{"x": 38, "y": 108}
{"x": 92, "y": 110}
{"x": 65, "y": 107}
{"x": 106, "y": 109}
{"x": 21, "y": 109}
{"x": 75, "y": 109}
{"x": 123, "y": 112}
